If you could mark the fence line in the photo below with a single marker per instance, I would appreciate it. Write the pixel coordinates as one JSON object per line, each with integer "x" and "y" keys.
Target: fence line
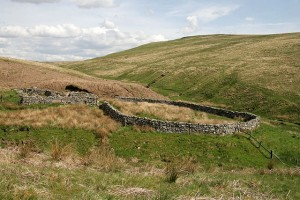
{"x": 259, "y": 144}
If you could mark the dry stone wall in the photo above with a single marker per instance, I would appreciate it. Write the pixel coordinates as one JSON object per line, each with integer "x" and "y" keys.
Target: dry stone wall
{"x": 42, "y": 96}
{"x": 250, "y": 122}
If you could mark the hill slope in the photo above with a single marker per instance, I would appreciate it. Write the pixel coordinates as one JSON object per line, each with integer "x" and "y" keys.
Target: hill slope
{"x": 18, "y": 74}
{"x": 260, "y": 74}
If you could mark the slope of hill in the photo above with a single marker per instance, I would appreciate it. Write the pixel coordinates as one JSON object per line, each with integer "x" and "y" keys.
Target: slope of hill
{"x": 255, "y": 73}
{"x": 18, "y": 73}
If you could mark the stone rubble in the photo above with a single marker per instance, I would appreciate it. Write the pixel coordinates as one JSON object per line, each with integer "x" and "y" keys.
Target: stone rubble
{"x": 43, "y": 96}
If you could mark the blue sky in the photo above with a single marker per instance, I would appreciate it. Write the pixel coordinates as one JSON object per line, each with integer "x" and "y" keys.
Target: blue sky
{"x": 56, "y": 30}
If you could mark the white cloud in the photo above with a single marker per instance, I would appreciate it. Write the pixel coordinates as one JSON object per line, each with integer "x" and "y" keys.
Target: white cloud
{"x": 48, "y": 43}
{"x": 36, "y": 1}
{"x": 192, "y": 24}
{"x": 13, "y": 31}
{"x": 108, "y": 24}
{"x": 214, "y": 12}
{"x": 3, "y": 42}
{"x": 64, "y": 30}
{"x": 249, "y": 19}
{"x": 96, "y": 3}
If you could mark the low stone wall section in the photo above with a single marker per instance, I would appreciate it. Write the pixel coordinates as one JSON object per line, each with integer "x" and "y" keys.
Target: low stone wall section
{"x": 42, "y": 96}
{"x": 250, "y": 122}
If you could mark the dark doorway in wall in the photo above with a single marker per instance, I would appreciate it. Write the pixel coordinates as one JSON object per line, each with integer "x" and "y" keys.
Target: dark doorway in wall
{"x": 74, "y": 88}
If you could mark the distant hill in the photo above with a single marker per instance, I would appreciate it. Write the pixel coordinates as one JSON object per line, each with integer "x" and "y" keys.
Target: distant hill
{"x": 255, "y": 73}
{"x": 20, "y": 73}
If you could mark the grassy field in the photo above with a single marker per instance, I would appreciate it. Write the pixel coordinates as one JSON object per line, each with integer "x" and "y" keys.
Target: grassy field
{"x": 254, "y": 73}
{"x": 46, "y": 156}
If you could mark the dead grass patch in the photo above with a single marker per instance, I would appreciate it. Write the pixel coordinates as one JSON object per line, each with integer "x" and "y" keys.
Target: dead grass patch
{"x": 59, "y": 151}
{"x": 103, "y": 158}
{"x": 73, "y": 116}
{"x": 169, "y": 112}
{"x": 133, "y": 192}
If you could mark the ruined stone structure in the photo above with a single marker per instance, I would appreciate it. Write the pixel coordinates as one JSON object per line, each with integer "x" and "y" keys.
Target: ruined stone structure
{"x": 41, "y": 96}
{"x": 250, "y": 122}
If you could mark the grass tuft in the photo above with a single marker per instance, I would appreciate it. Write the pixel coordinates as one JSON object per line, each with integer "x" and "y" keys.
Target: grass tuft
{"x": 103, "y": 158}
{"x": 171, "y": 173}
{"x": 59, "y": 151}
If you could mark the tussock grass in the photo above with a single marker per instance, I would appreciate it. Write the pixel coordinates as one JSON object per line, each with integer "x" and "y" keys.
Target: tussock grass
{"x": 59, "y": 151}
{"x": 74, "y": 116}
{"x": 103, "y": 158}
{"x": 169, "y": 112}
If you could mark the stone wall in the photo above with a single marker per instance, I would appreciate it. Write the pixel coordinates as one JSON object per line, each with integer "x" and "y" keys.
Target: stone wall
{"x": 42, "y": 96}
{"x": 250, "y": 122}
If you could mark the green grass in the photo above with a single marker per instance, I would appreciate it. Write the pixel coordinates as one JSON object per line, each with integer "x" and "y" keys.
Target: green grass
{"x": 234, "y": 151}
{"x": 254, "y": 73}
{"x": 82, "y": 140}
{"x": 226, "y": 167}
{"x": 27, "y": 182}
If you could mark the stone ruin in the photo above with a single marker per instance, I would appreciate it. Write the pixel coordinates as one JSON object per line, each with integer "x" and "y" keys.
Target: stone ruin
{"x": 44, "y": 96}
{"x": 250, "y": 121}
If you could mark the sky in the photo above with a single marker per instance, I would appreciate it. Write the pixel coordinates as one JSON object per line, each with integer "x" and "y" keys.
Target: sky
{"x": 65, "y": 30}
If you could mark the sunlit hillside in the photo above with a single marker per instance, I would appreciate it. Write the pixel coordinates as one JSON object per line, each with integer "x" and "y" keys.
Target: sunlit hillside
{"x": 256, "y": 73}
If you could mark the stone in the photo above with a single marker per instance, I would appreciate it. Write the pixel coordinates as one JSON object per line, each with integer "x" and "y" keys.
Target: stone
{"x": 251, "y": 121}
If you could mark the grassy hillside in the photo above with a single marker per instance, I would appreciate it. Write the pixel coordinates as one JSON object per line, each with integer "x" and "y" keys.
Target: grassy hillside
{"x": 16, "y": 73}
{"x": 259, "y": 74}
{"x": 47, "y": 154}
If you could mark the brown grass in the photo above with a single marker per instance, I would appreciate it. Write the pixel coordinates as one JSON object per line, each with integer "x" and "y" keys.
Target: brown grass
{"x": 26, "y": 147}
{"x": 59, "y": 151}
{"x": 19, "y": 74}
{"x": 103, "y": 158}
{"x": 168, "y": 112}
{"x": 72, "y": 116}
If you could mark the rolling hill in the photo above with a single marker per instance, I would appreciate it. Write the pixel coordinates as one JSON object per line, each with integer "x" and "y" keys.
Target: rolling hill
{"x": 20, "y": 73}
{"x": 50, "y": 151}
{"x": 255, "y": 73}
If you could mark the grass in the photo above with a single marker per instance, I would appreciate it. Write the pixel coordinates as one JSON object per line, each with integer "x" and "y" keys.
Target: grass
{"x": 254, "y": 73}
{"x": 43, "y": 138}
{"x": 61, "y": 183}
{"x": 227, "y": 152}
{"x": 168, "y": 112}
{"x": 46, "y": 156}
